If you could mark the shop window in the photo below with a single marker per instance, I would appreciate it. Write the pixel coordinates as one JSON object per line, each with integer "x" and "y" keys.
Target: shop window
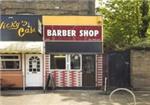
{"x": 58, "y": 61}
{"x": 9, "y": 62}
{"x": 75, "y": 61}
{"x": 65, "y": 62}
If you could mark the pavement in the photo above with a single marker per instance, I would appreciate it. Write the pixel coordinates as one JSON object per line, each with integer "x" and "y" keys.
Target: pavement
{"x": 70, "y": 97}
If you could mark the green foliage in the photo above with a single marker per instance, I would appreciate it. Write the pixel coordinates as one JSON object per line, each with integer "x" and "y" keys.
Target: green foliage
{"x": 122, "y": 23}
{"x": 143, "y": 43}
{"x": 144, "y": 9}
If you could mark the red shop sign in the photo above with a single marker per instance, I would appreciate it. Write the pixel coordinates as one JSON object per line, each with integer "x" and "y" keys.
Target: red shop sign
{"x": 72, "y": 33}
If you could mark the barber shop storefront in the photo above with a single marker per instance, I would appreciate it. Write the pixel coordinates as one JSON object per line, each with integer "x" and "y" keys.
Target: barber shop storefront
{"x": 21, "y": 51}
{"x": 73, "y": 50}
{"x": 69, "y": 48}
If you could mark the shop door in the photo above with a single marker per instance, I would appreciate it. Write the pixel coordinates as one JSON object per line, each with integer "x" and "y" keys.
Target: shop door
{"x": 34, "y": 70}
{"x": 88, "y": 67}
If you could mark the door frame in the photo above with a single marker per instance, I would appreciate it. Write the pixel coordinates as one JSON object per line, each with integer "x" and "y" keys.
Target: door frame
{"x": 25, "y": 71}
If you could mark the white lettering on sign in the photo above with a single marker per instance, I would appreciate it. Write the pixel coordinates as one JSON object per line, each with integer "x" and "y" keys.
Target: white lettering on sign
{"x": 90, "y": 33}
{"x": 73, "y": 33}
{"x": 69, "y": 33}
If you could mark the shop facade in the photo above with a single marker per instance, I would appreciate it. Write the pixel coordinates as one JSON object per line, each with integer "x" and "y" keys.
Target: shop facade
{"x": 70, "y": 48}
{"x": 74, "y": 50}
{"x": 21, "y": 51}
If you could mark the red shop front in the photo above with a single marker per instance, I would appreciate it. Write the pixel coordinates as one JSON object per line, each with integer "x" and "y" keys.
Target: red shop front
{"x": 73, "y": 50}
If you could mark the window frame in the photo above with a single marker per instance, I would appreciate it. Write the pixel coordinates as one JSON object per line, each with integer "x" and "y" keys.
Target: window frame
{"x": 19, "y": 59}
{"x": 67, "y": 63}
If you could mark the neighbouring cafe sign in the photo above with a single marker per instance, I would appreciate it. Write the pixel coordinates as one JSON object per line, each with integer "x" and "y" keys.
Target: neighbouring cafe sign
{"x": 20, "y": 28}
{"x": 72, "y": 33}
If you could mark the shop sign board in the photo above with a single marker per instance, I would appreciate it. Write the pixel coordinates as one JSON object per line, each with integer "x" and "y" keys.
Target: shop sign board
{"x": 20, "y": 28}
{"x": 72, "y": 33}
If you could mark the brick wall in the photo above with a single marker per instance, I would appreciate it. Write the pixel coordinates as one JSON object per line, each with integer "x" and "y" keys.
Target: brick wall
{"x": 99, "y": 74}
{"x": 140, "y": 69}
{"x": 48, "y": 7}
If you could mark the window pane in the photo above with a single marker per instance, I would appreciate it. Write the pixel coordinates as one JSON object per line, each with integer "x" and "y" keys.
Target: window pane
{"x": 10, "y": 65}
{"x": 58, "y": 61}
{"x": 75, "y": 61}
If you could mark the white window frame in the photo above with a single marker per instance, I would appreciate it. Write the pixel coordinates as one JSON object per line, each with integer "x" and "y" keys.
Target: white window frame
{"x": 67, "y": 61}
{"x": 19, "y": 59}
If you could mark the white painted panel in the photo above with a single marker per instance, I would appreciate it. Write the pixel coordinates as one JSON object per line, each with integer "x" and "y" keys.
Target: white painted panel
{"x": 34, "y": 72}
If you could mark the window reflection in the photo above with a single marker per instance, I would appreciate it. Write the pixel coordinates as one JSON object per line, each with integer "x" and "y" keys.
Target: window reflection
{"x": 75, "y": 61}
{"x": 58, "y": 61}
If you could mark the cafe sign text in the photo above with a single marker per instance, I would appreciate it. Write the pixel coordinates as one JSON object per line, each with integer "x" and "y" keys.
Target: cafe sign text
{"x": 22, "y": 27}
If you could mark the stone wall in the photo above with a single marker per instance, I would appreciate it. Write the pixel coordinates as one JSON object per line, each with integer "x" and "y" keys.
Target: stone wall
{"x": 140, "y": 69}
{"x": 48, "y": 7}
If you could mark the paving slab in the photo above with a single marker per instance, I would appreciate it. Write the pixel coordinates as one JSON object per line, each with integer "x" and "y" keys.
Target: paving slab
{"x": 68, "y": 97}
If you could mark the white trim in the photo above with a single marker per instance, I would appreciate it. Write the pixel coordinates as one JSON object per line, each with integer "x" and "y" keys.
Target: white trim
{"x": 23, "y": 71}
{"x": 10, "y": 59}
